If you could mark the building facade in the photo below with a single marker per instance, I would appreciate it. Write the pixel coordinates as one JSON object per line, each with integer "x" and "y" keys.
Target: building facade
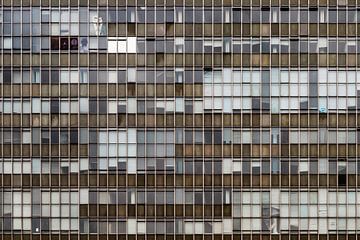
{"x": 179, "y": 119}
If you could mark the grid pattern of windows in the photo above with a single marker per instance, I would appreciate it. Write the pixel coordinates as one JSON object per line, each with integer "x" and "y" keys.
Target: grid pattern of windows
{"x": 154, "y": 119}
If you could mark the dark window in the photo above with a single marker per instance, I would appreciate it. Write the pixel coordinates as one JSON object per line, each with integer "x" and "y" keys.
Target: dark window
{"x": 54, "y": 106}
{"x": 7, "y": 76}
{"x": 64, "y": 43}
{"x": 45, "y": 76}
{"x": 54, "y": 76}
{"x": 74, "y": 43}
{"x": 54, "y": 136}
{"x": 54, "y": 43}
